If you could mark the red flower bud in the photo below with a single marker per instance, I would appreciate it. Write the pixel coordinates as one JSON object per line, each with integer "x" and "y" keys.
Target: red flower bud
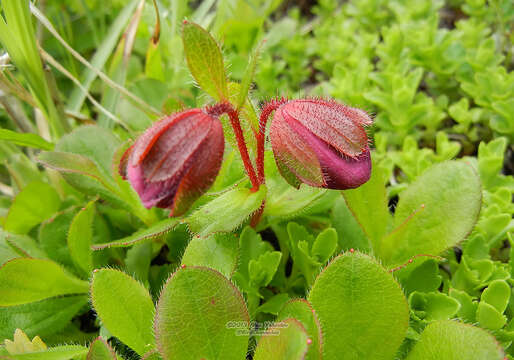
{"x": 176, "y": 160}
{"x": 321, "y": 143}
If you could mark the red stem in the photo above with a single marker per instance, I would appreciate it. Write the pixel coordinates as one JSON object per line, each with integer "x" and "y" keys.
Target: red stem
{"x": 266, "y": 111}
{"x": 226, "y": 108}
{"x": 243, "y": 150}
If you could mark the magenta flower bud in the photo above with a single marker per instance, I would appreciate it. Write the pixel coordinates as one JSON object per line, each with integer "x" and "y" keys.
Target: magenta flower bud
{"x": 321, "y": 143}
{"x": 176, "y": 160}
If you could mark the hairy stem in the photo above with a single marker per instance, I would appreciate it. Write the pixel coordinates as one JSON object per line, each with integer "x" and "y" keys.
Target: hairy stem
{"x": 266, "y": 111}
{"x": 226, "y": 108}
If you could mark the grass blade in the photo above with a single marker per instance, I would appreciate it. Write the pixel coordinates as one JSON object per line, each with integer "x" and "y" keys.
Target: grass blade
{"x": 137, "y": 101}
{"x": 30, "y": 140}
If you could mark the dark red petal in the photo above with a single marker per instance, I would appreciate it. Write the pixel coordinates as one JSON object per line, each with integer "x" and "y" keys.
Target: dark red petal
{"x": 145, "y": 142}
{"x": 336, "y": 125}
{"x": 122, "y": 167}
{"x": 339, "y": 171}
{"x": 293, "y": 153}
{"x": 152, "y": 194}
{"x": 203, "y": 171}
{"x": 343, "y": 173}
{"x": 171, "y": 153}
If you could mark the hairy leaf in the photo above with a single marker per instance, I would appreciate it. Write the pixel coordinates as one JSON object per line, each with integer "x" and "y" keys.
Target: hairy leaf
{"x": 196, "y": 304}
{"x": 25, "y": 280}
{"x": 355, "y": 293}
{"x": 125, "y": 308}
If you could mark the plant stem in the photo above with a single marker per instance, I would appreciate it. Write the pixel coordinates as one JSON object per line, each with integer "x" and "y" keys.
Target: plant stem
{"x": 266, "y": 111}
{"x": 233, "y": 114}
{"x": 243, "y": 150}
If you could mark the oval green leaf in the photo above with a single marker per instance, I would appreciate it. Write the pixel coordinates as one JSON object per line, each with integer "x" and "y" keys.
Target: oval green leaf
{"x": 205, "y": 60}
{"x": 125, "y": 308}
{"x": 435, "y": 212}
{"x": 354, "y": 293}
{"x": 301, "y": 310}
{"x": 287, "y": 340}
{"x": 217, "y": 251}
{"x": 452, "y": 340}
{"x": 201, "y": 314}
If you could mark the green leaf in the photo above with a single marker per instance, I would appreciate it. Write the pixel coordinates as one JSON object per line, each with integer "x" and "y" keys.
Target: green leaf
{"x": 349, "y": 233}
{"x": 220, "y": 214}
{"x": 497, "y": 294}
{"x": 25, "y": 139}
{"x": 324, "y": 245}
{"x": 368, "y": 203}
{"x": 251, "y": 247}
{"x": 433, "y": 305}
{"x": 354, "y": 293}
{"x": 64, "y": 352}
{"x": 80, "y": 237}
{"x": 189, "y": 312}
{"x": 37, "y": 202}
{"x": 70, "y": 334}
{"x": 461, "y": 341}
{"x": 26, "y": 280}
{"x": 100, "y": 350}
{"x": 273, "y": 304}
{"x": 472, "y": 274}
{"x": 138, "y": 261}
{"x": 21, "y": 169}
{"x": 285, "y": 341}
{"x": 74, "y": 164}
{"x": 436, "y": 211}
{"x": 6, "y": 251}
{"x": 205, "y": 60}
{"x": 310, "y": 254}
{"x": 53, "y": 235}
{"x": 40, "y": 318}
{"x": 95, "y": 143}
{"x": 490, "y": 318}
{"x": 125, "y": 308}
{"x": 24, "y": 245}
{"x": 22, "y": 344}
{"x": 216, "y": 251}
{"x": 301, "y": 310}
{"x": 424, "y": 278}
{"x": 157, "y": 230}
{"x": 476, "y": 248}
{"x": 468, "y": 308}
{"x": 261, "y": 270}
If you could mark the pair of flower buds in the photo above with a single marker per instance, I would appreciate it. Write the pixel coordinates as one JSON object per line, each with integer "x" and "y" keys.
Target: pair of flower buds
{"x": 317, "y": 142}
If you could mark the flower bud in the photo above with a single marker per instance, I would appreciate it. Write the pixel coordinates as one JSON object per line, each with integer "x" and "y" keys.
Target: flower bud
{"x": 176, "y": 160}
{"x": 321, "y": 143}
